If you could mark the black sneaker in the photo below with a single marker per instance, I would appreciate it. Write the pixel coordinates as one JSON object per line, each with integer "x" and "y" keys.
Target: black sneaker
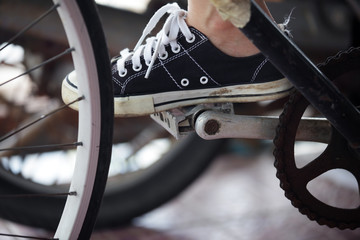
{"x": 180, "y": 67}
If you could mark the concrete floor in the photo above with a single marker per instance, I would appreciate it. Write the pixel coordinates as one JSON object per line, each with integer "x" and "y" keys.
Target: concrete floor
{"x": 238, "y": 198}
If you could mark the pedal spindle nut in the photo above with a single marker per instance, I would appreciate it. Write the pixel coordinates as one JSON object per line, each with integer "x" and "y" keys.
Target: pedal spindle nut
{"x": 212, "y": 127}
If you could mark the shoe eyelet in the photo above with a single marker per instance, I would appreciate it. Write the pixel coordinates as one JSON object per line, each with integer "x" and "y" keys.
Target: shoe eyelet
{"x": 163, "y": 55}
{"x": 204, "y": 80}
{"x": 185, "y": 82}
{"x": 192, "y": 39}
{"x": 176, "y": 49}
{"x": 123, "y": 74}
{"x": 137, "y": 68}
{"x": 147, "y": 63}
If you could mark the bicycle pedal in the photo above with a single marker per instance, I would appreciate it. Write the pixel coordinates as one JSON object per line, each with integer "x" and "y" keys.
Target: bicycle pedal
{"x": 180, "y": 122}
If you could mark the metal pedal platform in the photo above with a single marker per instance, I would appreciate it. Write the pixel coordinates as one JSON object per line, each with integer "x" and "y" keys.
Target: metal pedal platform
{"x": 180, "y": 122}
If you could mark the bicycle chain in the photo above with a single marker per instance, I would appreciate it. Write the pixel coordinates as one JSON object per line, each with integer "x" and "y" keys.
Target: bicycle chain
{"x": 291, "y": 113}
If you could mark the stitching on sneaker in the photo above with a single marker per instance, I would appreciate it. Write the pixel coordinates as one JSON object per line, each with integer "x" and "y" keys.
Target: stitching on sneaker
{"x": 162, "y": 63}
{"x": 197, "y": 64}
{"x": 202, "y": 36}
{"x": 172, "y": 78}
{"x": 181, "y": 54}
{"x": 258, "y": 69}
{"x": 193, "y": 47}
{"x": 176, "y": 56}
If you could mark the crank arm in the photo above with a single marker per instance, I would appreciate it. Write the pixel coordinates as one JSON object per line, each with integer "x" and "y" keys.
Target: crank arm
{"x": 214, "y": 121}
{"x": 214, "y": 125}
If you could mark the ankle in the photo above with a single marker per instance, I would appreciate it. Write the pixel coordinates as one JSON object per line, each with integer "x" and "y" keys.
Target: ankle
{"x": 232, "y": 42}
{"x": 225, "y": 36}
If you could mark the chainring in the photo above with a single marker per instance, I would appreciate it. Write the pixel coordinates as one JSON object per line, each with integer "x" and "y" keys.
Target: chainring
{"x": 342, "y": 69}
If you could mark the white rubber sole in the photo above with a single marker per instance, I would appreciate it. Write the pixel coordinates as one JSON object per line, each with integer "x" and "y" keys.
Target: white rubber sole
{"x": 148, "y": 104}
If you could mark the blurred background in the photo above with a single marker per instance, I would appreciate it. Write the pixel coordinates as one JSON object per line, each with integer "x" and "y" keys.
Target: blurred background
{"x": 237, "y": 197}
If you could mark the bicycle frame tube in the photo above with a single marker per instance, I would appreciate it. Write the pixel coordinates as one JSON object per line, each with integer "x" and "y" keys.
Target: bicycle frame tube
{"x": 304, "y": 75}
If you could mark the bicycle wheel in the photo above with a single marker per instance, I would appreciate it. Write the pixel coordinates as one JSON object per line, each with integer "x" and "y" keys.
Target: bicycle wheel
{"x": 186, "y": 160}
{"x": 87, "y": 46}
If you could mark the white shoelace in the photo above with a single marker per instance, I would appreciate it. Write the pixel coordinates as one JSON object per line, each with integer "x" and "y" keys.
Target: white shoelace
{"x": 155, "y": 46}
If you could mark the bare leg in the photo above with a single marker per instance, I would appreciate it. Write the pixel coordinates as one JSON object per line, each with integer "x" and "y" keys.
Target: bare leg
{"x": 203, "y": 16}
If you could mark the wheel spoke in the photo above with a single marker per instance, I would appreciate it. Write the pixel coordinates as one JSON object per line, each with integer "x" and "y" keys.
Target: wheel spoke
{"x": 6, "y": 196}
{"x": 67, "y": 51}
{"x": 43, "y": 147}
{"x": 29, "y": 26}
{"x": 25, "y": 237}
{"x": 42, "y": 117}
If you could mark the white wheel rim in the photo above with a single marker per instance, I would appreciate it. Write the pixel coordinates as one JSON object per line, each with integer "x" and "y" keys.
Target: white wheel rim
{"x": 89, "y": 122}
